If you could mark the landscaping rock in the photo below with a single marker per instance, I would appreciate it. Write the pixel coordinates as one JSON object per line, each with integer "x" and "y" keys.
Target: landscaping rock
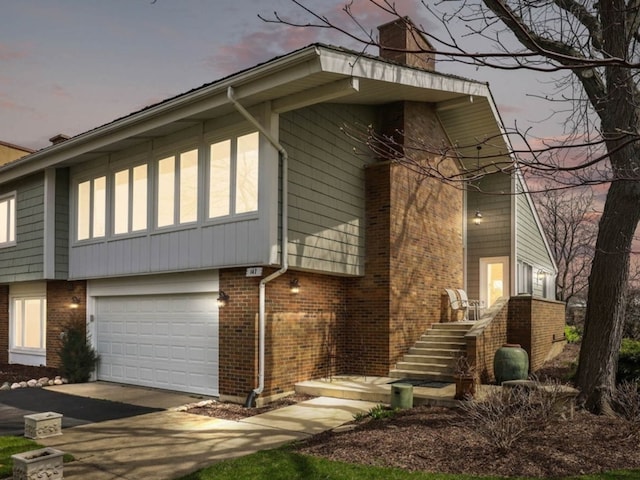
{"x": 32, "y": 383}
{"x": 5, "y": 386}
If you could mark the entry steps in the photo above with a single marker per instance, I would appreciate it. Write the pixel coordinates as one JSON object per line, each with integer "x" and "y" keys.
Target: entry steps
{"x": 433, "y": 357}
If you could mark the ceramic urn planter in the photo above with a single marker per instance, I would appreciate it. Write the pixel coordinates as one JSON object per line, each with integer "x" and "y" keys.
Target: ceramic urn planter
{"x": 38, "y": 464}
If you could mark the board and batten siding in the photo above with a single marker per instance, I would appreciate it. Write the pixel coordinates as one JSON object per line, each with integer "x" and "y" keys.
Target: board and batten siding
{"x": 195, "y": 248}
{"x": 326, "y": 188}
{"x": 492, "y": 238}
{"x": 24, "y": 260}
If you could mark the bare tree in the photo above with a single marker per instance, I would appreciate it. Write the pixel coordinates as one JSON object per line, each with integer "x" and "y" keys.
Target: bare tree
{"x": 596, "y": 43}
{"x": 570, "y": 224}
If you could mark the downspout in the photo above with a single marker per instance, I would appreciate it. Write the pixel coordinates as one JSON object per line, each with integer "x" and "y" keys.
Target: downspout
{"x": 284, "y": 157}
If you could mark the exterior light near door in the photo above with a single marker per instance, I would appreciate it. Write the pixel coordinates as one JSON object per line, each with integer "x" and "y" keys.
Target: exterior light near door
{"x": 294, "y": 286}
{"x": 477, "y": 218}
{"x": 75, "y": 302}
{"x": 223, "y": 299}
{"x": 541, "y": 275}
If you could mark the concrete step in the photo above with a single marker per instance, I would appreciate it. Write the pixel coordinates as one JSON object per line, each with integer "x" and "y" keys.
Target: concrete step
{"x": 430, "y": 358}
{"x": 436, "y": 376}
{"x": 425, "y": 367}
{"x": 443, "y": 336}
{"x": 443, "y": 344}
{"x": 438, "y": 352}
{"x": 453, "y": 326}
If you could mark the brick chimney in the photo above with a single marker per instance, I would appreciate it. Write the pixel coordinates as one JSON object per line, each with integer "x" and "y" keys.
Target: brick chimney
{"x": 401, "y": 42}
{"x": 59, "y": 138}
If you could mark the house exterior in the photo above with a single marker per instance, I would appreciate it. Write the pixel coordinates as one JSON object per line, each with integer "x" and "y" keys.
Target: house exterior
{"x": 240, "y": 190}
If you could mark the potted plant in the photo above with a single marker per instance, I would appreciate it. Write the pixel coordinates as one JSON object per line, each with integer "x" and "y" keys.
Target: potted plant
{"x": 465, "y": 378}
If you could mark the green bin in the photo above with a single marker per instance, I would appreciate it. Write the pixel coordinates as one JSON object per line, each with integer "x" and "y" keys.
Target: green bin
{"x": 401, "y": 395}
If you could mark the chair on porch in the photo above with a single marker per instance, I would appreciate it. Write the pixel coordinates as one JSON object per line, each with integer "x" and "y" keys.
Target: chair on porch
{"x": 474, "y": 304}
{"x": 457, "y": 304}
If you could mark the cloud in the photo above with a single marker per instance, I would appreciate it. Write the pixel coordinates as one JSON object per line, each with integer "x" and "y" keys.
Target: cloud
{"x": 8, "y": 104}
{"x": 275, "y": 39}
{"x": 10, "y": 52}
{"x": 59, "y": 91}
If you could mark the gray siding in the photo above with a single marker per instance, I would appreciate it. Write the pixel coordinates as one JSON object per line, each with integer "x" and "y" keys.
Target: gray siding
{"x": 530, "y": 246}
{"x": 530, "y": 243}
{"x": 326, "y": 188}
{"x": 24, "y": 261}
{"x": 492, "y": 238}
{"x": 200, "y": 247}
{"x": 62, "y": 225}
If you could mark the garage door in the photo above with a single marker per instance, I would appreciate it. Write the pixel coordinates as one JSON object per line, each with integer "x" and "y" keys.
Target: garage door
{"x": 162, "y": 341}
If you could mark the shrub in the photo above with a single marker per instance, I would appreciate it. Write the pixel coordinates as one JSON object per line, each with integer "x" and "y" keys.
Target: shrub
{"x": 572, "y": 333}
{"x": 626, "y": 403}
{"x": 77, "y": 356}
{"x": 506, "y": 415}
{"x": 629, "y": 361}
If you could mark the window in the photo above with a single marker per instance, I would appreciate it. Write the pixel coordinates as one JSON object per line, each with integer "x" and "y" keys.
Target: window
{"x": 92, "y": 203}
{"x": 8, "y": 220}
{"x": 233, "y": 176}
{"x": 525, "y": 278}
{"x": 178, "y": 189}
{"x": 130, "y": 200}
{"x": 29, "y": 322}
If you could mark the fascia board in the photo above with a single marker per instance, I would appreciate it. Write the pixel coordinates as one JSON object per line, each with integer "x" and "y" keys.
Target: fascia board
{"x": 349, "y": 64}
{"x": 263, "y": 77}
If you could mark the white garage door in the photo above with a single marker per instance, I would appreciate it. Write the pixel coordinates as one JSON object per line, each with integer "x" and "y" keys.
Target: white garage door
{"x": 162, "y": 341}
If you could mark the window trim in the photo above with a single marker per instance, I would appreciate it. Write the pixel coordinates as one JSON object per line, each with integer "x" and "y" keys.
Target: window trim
{"x": 176, "y": 155}
{"x": 13, "y": 346}
{"x": 76, "y": 203}
{"x": 12, "y": 218}
{"x": 111, "y": 188}
{"x": 232, "y": 136}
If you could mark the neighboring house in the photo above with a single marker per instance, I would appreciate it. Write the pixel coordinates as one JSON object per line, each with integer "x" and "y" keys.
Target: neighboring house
{"x": 144, "y": 223}
{"x": 10, "y": 152}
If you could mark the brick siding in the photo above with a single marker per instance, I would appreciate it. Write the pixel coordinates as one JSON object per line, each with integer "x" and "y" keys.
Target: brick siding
{"x": 59, "y": 313}
{"x": 304, "y": 331}
{"x": 537, "y": 324}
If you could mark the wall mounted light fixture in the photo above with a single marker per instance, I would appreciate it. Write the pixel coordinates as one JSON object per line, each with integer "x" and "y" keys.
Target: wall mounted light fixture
{"x": 223, "y": 299}
{"x": 477, "y": 218}
{"x": 294, "y": 286}
{"x": 75, "y": 302}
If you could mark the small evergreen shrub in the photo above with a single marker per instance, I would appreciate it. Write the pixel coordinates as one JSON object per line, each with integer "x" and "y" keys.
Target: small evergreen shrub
{"x": 77, "y": 356}
{"x": 572, "y": 334}
{"x": 629, "y": 361}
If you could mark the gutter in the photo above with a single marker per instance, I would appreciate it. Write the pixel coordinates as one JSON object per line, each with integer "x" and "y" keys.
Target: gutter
{"x": 284, "y": 156}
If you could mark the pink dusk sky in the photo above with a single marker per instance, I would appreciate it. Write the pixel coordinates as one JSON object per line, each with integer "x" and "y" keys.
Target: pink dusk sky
{"x": 67, "y": 66}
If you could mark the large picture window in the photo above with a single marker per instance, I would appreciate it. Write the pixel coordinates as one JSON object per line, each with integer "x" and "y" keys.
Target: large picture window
{"x": 130, "y": 200}
{"x": 29, "y": 322}
{"x": 233, "y": 175}
{"x": 7, "y": 220}
{"x": 177, "y": 189}
{"x": 91, "y": 211}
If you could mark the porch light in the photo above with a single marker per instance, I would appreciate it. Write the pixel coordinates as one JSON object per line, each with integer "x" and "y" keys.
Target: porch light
{"x": 75, "y": 302}
{"x": 541, "y": 275}
{"x": 294, "y": 286}
{"x": 223, "y": 299}
{"x": 477, "y": 218}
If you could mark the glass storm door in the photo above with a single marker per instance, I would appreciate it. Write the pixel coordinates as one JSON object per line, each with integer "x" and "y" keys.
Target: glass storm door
{"x": 494, "y": 279}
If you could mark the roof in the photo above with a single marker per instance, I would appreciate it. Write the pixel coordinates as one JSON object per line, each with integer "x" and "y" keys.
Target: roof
{"x": 313, "y": 74}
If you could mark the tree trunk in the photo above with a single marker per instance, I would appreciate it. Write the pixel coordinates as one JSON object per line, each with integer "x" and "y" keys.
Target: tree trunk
{"x": 607, "y": 297}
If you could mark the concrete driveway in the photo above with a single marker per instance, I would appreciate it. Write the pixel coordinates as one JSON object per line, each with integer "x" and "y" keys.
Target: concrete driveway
{"x": 165, "y": 444}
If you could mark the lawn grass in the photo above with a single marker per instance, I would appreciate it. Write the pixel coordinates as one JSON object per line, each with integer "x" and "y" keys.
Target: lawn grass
{"x": 285, "y": 464}
{"x": 10, "y": 446}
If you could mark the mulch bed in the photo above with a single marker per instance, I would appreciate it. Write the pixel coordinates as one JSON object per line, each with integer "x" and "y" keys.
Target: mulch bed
{"x": 13, "y": 373}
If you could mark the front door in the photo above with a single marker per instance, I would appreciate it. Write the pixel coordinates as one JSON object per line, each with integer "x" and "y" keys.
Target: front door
{"x": 494, "y": 279}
